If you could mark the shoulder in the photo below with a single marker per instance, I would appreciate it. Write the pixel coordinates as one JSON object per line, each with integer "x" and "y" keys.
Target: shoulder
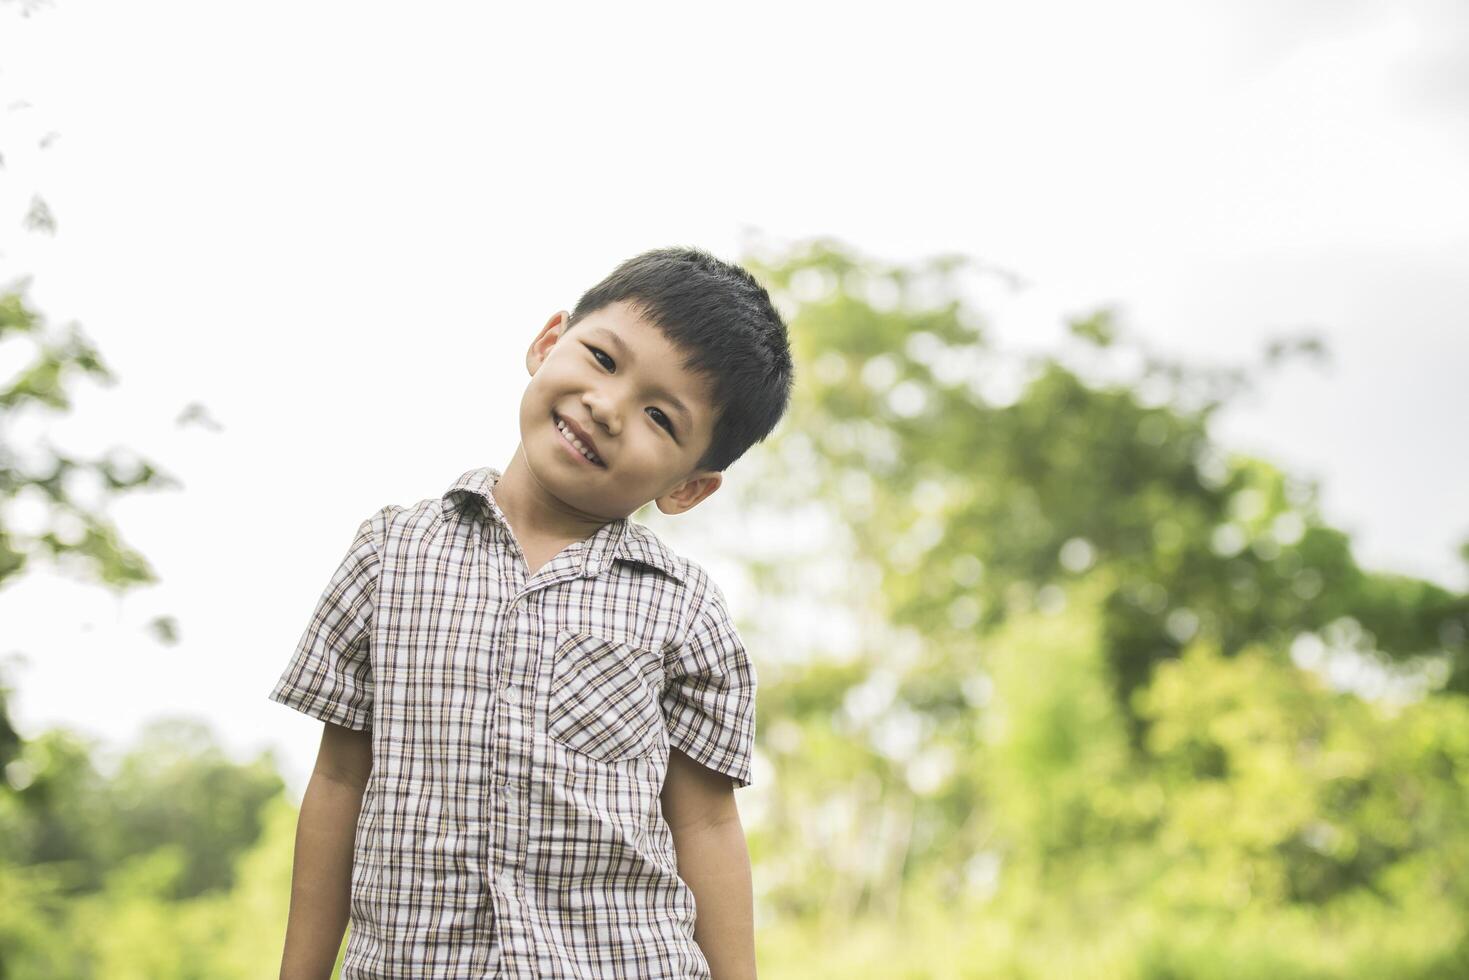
{"x": 391, "y": 527}
{"x": 704, "y": 605}
{"x": 642, "y": 544}
{"x": 700, "y": 606}
{"x": 392, "y": 522}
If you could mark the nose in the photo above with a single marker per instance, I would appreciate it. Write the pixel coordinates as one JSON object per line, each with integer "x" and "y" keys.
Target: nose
{"x": 603, "y": 413}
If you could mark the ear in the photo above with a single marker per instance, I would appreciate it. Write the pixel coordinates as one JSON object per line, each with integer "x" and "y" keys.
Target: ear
{"x": 688, "y": 493}
{"x": 540, "y": 348}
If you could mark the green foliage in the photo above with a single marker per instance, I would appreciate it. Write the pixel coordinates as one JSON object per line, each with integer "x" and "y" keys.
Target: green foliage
{"x": 1088, "y": 619}
{"x": 77, "y": 537}
{"x": 176, "y": 788}
{"x": 138, "y": 928}
{"x": 145, "y": 873}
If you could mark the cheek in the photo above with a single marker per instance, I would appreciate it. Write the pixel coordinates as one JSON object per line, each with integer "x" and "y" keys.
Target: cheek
{"x": 647, "y": 450}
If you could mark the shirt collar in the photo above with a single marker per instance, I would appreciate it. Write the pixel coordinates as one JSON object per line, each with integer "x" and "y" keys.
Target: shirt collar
{"x": 622, "y": 538}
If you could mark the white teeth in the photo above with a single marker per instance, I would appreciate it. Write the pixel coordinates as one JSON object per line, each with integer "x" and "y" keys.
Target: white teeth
{"x": 561, "y": 427}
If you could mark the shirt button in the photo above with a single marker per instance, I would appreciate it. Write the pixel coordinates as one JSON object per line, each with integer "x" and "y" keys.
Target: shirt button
{"x": 507, "y": 879}
{"x": 510, "y": 694}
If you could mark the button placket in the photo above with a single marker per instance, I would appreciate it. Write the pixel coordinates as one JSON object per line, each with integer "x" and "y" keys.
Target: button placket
{"x": 510, "y": 783}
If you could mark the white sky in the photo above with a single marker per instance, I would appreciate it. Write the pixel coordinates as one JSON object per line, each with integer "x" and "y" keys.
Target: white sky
{"x": 338, "y": 225}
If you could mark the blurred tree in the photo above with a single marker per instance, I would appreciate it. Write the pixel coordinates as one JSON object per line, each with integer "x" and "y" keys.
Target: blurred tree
{"x": 178, "y": 815}
{"x": 967, "y": 488}
{"x": 137, "y": 927}
{"x": 176, "y": 787}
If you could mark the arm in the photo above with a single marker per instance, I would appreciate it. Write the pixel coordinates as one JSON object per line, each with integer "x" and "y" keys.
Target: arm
{"x": 321, "y": 878}
{"x": 699, "y": 807}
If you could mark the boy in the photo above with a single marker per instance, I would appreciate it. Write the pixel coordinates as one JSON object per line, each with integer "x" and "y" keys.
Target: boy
{"x": 534, "y": 712}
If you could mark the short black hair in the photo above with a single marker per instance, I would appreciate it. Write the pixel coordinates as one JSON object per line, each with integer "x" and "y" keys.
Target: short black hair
{"x": 724, "y": 320}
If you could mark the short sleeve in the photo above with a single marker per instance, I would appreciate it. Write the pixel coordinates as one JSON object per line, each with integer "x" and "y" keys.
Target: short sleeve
{"x": 709, "y": 693}
{"x": 330, "y": 674}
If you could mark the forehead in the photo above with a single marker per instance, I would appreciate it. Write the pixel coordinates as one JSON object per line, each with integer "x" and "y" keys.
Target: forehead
{"x": 651, "y": 356}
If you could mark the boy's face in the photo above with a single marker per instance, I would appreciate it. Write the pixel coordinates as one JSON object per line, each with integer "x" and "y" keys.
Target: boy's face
{"x": 626, "y": 398}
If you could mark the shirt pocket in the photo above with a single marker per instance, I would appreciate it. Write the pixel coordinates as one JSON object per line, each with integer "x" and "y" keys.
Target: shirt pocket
{"x": 604, "y": 697}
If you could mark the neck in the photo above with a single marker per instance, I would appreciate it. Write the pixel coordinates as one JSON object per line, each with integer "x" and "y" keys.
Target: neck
{"x": 534, "y": 513}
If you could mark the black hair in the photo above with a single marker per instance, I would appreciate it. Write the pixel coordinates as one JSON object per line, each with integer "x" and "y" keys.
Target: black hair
{"x": 723, "y": 319}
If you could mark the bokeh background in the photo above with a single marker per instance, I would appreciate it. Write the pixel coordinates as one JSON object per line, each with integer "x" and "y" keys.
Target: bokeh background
{"x": 1106, "y": 581}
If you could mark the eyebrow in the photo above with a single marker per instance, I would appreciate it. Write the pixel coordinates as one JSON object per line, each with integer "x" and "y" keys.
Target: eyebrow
{"x": 626, "y": 354}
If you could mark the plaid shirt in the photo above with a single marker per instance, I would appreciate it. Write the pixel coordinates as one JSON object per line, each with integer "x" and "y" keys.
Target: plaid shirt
{"x": 521, "y": 725}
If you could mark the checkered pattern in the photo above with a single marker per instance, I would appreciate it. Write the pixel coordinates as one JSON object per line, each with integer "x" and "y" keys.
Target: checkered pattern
{"x": 520, "y": 735}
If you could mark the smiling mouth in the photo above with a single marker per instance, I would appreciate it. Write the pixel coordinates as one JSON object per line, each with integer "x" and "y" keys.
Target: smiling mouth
{"x": 557, "y": 423}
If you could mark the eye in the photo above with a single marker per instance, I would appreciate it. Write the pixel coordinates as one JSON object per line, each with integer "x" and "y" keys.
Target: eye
{"x": 669, "y": 425}
{"x": 595, "y": 352}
